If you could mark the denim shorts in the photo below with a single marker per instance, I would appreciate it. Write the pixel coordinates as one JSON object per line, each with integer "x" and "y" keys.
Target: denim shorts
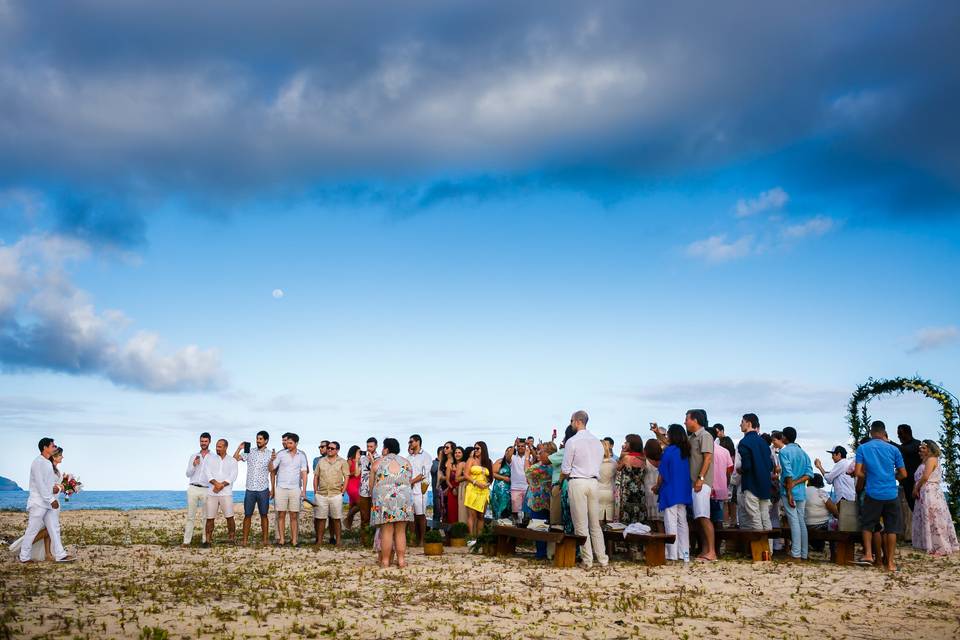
{"x": 259, "y": 498}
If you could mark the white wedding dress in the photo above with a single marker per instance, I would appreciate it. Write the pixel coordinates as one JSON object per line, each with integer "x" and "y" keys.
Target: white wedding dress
{"x": 38, "y": 555}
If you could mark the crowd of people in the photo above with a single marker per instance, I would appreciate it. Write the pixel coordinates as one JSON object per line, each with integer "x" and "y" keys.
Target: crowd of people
{"x": 687, "y": 480}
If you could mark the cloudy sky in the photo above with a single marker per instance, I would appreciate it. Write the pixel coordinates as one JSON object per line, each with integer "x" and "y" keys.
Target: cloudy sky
{"x": 466, "y": 220}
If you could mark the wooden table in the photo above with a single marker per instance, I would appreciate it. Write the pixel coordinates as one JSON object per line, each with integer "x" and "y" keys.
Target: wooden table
{"x": 654, "y": 544}
{"x": 841, "y": 551}
{"x": 564, "y": 556}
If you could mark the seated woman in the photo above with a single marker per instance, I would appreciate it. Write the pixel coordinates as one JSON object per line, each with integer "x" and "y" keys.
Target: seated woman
{"x": 819, "y": 510}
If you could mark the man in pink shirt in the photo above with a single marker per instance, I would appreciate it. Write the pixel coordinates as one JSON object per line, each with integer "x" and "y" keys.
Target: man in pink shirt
{"x": 722, "y": 469}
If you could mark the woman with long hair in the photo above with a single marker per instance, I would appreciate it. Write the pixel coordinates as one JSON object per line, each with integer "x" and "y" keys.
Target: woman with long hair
{"x": 444, "y": 454}
{"x": 605, "y": 489}
{"x": 652, "y": 452}
{"x": 353, "y": 484}
{"x": 392, "y": 502}
{"x": 675, "y": 491}
{"x": 477, "y": 494}
{"x": 462, "y": 479}
{"x": 631, "y": 469}
{"x": 539, "y": 484}
{"x": 932, "y": 525}
{"x": 453, "y": 485}
{"x": 500, "y": 493}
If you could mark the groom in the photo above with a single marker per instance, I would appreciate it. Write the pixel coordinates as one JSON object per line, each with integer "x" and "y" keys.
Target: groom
{"x": 42, "y": 506}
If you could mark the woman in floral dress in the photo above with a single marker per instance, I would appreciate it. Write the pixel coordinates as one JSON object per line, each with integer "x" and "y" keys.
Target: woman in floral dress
{"x": 539, "y": 482}
{"x": 630, "y": 486}
{"x": 932, "y": 525}
{"x": 392, "y": 503}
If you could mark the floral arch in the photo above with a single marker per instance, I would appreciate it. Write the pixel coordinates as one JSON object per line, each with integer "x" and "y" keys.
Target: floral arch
{"x": 859, "y": 420}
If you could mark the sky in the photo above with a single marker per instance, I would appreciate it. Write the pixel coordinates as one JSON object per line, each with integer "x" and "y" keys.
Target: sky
{"x": 467, "y": 221}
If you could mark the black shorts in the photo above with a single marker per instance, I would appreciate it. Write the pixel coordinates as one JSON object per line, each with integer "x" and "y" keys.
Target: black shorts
{"x": 873, "y": 510}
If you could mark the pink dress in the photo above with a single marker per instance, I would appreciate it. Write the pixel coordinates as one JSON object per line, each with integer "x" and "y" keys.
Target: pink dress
{"x": 932, "y": 526}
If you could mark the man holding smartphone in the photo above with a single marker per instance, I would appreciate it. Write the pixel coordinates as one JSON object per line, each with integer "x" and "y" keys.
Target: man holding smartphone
{"x": 258, "y": 491}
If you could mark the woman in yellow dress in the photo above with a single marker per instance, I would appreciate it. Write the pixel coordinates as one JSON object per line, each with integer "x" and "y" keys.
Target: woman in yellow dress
{"x": 477, "y": 494}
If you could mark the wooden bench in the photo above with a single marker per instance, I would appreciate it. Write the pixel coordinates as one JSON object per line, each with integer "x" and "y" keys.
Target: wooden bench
{"x": 654, "y": 544}
{"x": 841, "y": 551}
{"x": 754, "y": 539}
{"x": 564, "y": 556}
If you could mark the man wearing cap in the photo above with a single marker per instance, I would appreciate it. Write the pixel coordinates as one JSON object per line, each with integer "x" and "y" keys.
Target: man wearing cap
{"x": 840, "y": 476}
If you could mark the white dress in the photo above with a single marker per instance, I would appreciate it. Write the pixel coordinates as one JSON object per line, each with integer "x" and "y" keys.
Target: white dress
{"x": 608, "y": 468}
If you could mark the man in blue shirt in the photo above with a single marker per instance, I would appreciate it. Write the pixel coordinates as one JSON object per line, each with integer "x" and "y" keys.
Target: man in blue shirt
{"x": 881, "y": 464}
{"x": 755, "y": 469}
{"x": 795, "y": 472}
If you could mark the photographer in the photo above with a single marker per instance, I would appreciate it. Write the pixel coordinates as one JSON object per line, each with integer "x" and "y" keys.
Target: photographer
{"x": 258, "y": 492}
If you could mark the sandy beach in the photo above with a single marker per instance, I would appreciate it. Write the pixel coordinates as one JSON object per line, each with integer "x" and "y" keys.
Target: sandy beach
{"x": 133, "y": 580}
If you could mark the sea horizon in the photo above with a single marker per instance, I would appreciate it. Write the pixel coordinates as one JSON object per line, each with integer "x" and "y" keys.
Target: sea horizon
{"x": 122, "y": 500}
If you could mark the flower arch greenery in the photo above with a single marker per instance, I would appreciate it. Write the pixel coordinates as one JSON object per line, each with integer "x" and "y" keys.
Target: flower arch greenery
{"x": 859, "y": 420}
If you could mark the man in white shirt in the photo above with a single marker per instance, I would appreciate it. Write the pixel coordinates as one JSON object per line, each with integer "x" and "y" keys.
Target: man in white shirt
{"x": 522, "y": 458}
{"x": 582, "y": 456}
{"x": 291, "y": 468}
{"x": 42, "y": 505}
{"x": 840, "y": 476}
{"x": 197, "y": 489}
{"x": 420, "y": 460}
{"x": 221, "y": 474}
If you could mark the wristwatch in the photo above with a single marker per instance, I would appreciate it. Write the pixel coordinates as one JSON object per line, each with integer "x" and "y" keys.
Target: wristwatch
{"x": 700, "y": 478}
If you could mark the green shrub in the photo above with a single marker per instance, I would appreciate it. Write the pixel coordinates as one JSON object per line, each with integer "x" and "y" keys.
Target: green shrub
{"x": 433, "y": 536}
{"x": 459, "y": 530}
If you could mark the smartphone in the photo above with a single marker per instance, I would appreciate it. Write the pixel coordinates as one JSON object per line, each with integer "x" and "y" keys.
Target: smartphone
{"x": 246, "y": 447}
{"x": 554, "y": 436}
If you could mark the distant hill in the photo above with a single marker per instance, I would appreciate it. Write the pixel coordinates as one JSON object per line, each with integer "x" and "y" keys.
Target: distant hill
{"x": 6, "y": 484}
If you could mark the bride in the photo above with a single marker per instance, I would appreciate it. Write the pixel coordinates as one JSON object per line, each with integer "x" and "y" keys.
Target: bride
{"x": 41, "y": 543}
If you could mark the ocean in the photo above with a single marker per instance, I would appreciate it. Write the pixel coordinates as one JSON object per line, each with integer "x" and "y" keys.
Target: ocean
{"x": 122, "y": 500}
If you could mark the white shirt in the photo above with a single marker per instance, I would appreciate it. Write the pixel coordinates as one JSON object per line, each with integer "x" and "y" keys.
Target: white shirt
{"x": 582, "y": 456}
{"x": 198, "y": 474}
{"x": 518, "y": 473}
{"x": 223, "y": 470}
{"x": 420, "y": 462}
{"x": 42, "y": 479}
{"x": 288, "y": 469}
{"x": 816, "y": 508}
{"x": 844, "y": 485}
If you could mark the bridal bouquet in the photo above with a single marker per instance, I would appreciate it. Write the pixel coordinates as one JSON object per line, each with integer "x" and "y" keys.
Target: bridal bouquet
{"x": 71, "y": 486}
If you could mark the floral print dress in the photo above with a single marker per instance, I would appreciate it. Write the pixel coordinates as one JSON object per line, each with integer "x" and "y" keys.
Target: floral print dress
{"x": 500, "y": 494}
{"x": 631, "y": 493}
{"x": 391, "y": 499}
{"x": 932, "y": 526}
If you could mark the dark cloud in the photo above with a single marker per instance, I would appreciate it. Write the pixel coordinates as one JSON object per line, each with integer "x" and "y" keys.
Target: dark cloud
{"x": 462, "y": 101}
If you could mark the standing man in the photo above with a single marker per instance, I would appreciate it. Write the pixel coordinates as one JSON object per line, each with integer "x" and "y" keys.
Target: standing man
{"x": 197, "y": 490}
{"x": 910, "y": 450}
{"x": 258, "y": 492}
{"x": 518, "y": 475}
{"x": 323, "y": 453}
{"x": 701, "y": 476}
{"x": 795, "y": 472}
{"x": 612, "y": 444}
{"x": 329, "y": 484}
{"x": 221, "y": 474}
{"x": 291, "y": 468}
{"x": 582, "y": 456}
{"x": 42, "y": 505}
{"x": 420, "y": 461}
{"x": 840, "y": 476}
{"x": 881, "y": 465}
{"x": 364, "y": 500}
{"x": 756, "y": 473}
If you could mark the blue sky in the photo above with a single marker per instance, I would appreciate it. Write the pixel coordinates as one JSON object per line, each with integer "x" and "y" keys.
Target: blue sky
{"x": 480, "y": 221}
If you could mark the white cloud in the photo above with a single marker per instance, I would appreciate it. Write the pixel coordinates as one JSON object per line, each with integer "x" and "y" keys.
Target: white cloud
{"x": 277, "y": 293}
{"x": 816, "y": 226}
{"x": 717, "y": 249}
{"x": 772, "y": 200}
{"x": 931, "y": 338}
{"x": 46, "y": 323}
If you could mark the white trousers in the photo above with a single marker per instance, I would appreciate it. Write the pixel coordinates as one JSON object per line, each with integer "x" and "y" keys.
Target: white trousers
{"x": 38, "y": 519}
{"x": 584, "y": 497}
{"x": 675, "y": 522}
{"x": 196, "y": 501}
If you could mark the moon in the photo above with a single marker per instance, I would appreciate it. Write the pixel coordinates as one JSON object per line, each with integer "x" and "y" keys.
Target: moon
{"x": 277, "y": 293}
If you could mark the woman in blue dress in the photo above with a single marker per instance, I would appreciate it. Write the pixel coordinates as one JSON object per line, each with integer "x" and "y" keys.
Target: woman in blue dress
{"x": 500, "y": 493}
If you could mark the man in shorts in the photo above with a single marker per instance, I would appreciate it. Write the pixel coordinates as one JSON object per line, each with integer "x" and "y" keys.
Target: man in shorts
{"x": 329, "y": 484}
{"x": 701, "y": 475}
{"x": 221, "y": 474}
{"x": 258, "y": 492}
{"x": 363, "y": 500}
{"x": 881, "y": 465}
{"x": 290, "y": 466}
{"x": 420, "y": 460}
